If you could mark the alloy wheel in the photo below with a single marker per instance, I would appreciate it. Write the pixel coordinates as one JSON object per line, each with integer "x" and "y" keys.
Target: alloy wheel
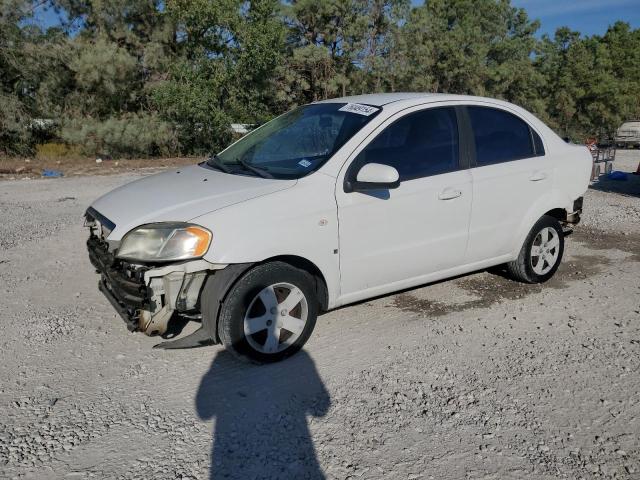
{"x": 276, "y": 318}
{"x": 545, "y": 250}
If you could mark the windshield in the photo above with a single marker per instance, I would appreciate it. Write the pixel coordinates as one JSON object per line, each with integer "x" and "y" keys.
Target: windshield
{"x": 296, "y": 143}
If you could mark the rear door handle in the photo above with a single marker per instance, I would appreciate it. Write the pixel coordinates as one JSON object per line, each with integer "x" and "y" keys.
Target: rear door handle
{"x": 449, "y": 194}
{"x": 537, "y": 176}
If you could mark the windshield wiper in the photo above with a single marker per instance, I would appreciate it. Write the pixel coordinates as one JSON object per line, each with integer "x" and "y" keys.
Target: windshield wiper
{"x": 257, "y": 170}
{"x": 214, "y": 161}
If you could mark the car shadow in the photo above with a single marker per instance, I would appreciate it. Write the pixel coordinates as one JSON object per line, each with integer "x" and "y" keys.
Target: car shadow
{"x": 629, "y": 187}
{"x": 260, "y": 412}
{"x": 175, "y": 326}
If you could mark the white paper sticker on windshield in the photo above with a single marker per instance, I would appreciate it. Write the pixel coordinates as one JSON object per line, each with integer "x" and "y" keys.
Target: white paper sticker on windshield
{"x": 358, "y": 108}
{"x": 304, "y": 163}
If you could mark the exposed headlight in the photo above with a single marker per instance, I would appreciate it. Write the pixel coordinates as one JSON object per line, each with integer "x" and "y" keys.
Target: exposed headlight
{"x": 164, "y": 242}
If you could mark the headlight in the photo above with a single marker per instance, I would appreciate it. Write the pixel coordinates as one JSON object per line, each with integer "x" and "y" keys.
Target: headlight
{"x": 163, "y": 242}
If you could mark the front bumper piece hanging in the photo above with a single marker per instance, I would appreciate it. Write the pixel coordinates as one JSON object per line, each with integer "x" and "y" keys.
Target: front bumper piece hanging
{"x": 147, "y": 297}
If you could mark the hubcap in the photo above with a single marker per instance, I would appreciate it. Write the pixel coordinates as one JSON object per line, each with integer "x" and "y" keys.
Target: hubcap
{"x": 545, "y": 250}
{"x": 276, "y": 318}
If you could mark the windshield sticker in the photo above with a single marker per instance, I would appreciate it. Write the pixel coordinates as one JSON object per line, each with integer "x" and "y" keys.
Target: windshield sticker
{"x": 365, "y": 110}
{"x": 304, "y": 163}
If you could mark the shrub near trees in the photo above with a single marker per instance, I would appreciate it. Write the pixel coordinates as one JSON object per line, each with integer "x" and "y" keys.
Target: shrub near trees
{"x": 156, "y": 77}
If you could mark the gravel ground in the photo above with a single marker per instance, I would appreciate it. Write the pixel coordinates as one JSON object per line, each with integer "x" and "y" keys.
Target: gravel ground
{"x": 476, "y": 377}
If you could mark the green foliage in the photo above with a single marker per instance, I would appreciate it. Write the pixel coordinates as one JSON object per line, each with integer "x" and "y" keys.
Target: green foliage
{"x": 15, "y": 134}
{"x": 470, "y": 47}
{"x": 133, "y": 135}
{"x": 155, "y": 77}
{"x": 193, "y": 100}
{"x": 16, "y": 106}
{"x": 105, "y": 77}
{"x": 592, "y": 85}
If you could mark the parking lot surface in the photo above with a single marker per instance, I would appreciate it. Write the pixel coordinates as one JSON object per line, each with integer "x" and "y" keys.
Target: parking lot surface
{"x": 476, "y": 377}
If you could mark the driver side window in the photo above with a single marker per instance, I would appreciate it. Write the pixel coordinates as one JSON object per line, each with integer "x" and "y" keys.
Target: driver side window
{"x": 420, "y": 144}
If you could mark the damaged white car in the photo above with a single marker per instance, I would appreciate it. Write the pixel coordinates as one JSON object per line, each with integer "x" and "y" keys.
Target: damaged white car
{"x": 332, "y": 203}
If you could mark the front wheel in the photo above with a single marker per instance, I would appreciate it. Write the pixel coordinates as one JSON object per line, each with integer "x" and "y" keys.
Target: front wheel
{"x": 269, "y": 313}
{"x": 540, "y": 254}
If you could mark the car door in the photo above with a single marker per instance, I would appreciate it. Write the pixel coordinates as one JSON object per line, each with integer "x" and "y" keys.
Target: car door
{"x": 510, "y": 172}
{"x": 388, "y": 237}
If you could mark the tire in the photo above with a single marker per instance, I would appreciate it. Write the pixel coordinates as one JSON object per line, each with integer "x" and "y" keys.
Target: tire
{"x": 260, "y": 322}
{"x": 527, "y": 268}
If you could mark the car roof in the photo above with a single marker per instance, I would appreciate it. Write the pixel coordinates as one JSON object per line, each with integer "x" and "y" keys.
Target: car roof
{"x": 381, "y": 99}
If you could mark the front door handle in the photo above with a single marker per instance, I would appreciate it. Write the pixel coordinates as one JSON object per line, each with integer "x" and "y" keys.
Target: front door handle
{"x": 449, "y": 194}
{"x": 537, "y": 176}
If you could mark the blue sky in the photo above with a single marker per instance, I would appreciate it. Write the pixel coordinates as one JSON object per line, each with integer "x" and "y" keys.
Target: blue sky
{"x": 587, "y": 16}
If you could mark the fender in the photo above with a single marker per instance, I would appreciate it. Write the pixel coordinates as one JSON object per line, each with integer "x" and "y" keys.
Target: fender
{"x": 215, "y": 290}
{"x": 302, "y": 223}
{"x": 555, "y": 199}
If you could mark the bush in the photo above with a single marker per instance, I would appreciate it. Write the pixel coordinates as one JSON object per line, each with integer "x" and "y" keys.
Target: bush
{"x": 58, "y": 150}
{"x": 15, "y": 135}
{"x": 134, "y": 135}
{"x": 193, "y": 101}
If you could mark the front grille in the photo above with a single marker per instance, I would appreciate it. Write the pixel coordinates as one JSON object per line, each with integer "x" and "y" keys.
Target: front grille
{"x": 125, "y": 282}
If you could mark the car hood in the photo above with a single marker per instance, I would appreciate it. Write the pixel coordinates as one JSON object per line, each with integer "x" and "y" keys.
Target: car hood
{"x": 179, "y": 195}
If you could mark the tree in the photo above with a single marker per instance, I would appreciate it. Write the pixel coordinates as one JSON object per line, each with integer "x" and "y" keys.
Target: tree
{"x": 229, "y": 53}
{"x": 622, "y": 49}
{"x": 16, "y": 85}
{"x": 591, "y": 84}
{"x": 480, "y": 47}
{"x": 186, "y": 69}
{"x": 118, "y": 50}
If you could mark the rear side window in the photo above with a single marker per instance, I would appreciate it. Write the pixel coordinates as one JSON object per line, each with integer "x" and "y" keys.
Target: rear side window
{"x": 419, "y": 144}
{"x": 537, "y": 143}
{"x": 500, "y": 136}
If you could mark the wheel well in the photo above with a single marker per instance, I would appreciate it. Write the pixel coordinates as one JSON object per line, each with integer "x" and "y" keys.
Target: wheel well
{"x": 308, "y": 266}
{"x": 559, "y": 214}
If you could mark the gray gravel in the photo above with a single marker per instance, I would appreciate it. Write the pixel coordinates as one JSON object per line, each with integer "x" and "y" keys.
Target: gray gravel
{"x": 476, "y": 377}
{"x": 616, "y": 212}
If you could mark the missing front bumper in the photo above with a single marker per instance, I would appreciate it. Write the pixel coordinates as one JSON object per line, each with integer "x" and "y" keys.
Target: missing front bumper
{"x": 121, "y": 308}
{"x": 147, "y": 297}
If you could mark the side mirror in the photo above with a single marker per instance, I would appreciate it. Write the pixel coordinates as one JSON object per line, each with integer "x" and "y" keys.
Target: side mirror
{"x": 373, "y": 176}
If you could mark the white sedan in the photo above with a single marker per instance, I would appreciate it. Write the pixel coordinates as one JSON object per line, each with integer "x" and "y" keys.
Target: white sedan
{"x": 332, "y": 203}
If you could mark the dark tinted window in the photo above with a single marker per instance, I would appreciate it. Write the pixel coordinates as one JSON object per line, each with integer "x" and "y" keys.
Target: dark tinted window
{"x": 417, "y": 145}
{"x": 499, "y": 136}
{"x": 537, "y": 143}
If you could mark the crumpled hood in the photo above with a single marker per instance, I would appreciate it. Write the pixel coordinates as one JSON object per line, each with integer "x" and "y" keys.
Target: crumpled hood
{"x": 179, "y": 195}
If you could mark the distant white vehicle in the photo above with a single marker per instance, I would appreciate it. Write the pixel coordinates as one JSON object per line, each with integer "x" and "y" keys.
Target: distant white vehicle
{"x": 332, "y": 203}
{"x": 628, "y": 135}
{"x": 42, "y": 124}
{"x": 242, "y": 128}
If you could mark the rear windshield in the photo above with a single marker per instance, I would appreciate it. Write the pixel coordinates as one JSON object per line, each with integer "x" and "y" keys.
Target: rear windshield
{"x": 296, "y": 143}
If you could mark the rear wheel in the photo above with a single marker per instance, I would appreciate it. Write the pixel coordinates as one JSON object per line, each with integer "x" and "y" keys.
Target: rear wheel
{"x": 269, "y": 313}
{"x": 540, "y": 254}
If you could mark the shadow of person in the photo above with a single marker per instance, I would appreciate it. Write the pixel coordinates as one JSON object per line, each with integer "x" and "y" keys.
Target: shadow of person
{"x": 260, "y": 415}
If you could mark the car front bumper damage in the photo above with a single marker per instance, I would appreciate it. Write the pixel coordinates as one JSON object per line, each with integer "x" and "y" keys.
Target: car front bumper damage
{"x": 148, "y": 296}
